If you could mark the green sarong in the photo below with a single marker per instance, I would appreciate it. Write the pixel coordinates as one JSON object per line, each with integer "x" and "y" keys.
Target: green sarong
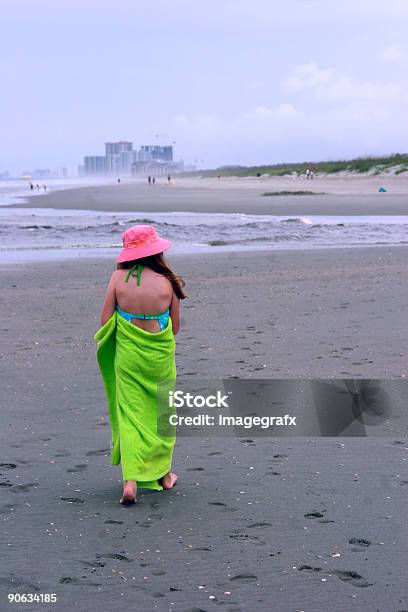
{"x": 133, "y": 363}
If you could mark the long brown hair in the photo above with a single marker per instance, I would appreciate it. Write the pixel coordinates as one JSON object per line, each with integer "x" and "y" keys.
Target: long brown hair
{"x": 158, "y": 264}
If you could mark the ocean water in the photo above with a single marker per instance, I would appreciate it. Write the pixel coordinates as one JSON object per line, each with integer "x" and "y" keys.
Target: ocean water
{"x": 41, "y": 233}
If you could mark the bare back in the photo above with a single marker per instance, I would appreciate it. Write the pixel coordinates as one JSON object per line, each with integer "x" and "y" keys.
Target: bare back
{"x": 153, "y": 296}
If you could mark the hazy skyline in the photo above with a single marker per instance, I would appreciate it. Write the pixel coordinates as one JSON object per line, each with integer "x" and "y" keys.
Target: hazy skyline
{"x": 230, "y": 81}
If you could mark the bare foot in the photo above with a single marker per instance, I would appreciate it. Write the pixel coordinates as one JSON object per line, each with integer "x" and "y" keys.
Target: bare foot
{"x": 129, "y": 493}
{"x": 169, "y": 480}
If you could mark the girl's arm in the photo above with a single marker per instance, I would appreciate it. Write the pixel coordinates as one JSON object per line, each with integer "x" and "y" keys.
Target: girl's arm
{"x": 109, "y": 305}
{"x": 175, "y": 314}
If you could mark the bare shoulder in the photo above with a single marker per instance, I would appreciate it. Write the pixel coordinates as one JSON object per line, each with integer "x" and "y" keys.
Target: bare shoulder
{"x": 160, "y": 282}
{"x": 116, "y": 275}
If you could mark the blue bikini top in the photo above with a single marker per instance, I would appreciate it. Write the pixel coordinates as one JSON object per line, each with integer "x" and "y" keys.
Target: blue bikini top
{"x": 162, "y": 318}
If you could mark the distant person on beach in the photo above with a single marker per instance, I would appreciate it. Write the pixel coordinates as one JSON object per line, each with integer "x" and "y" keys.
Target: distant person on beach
{"x": 31, "y": 186}
{"x": 45, "y": 187}
{"x": 38, "y": 187}
{"x": 149, "y": 179}
{"x": 153, "y": 180}
{"x": 118, "y": 180}
{"x": 307, "y": 173}
{"x": 169, "y": 179}
{"x": 135, "y": 353}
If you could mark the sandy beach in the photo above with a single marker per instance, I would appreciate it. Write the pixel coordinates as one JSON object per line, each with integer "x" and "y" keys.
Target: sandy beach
{"x": 262, "y": 146}
{"x": 300, "y": 523}
{"x": 343, "y": 195}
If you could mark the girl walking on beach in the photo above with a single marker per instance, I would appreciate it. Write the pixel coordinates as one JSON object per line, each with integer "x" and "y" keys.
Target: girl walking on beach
{"x": 136, "y": 354}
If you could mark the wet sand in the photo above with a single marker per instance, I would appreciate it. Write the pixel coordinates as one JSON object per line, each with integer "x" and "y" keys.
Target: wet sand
{"x": 299, "y": 524}
{"x": 349, "y": 195}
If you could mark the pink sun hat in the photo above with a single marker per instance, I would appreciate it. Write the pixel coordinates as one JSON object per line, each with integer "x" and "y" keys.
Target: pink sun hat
{"x": 141, "y": 241}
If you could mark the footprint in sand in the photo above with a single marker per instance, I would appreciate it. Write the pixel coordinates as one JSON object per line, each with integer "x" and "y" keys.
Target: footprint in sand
{"x": 313, "y": 515}
{"x": 244, "y": 578}
{"x": 6, "y": 483}
{"x": 7, "y": 466}
{"x": 97, "y": 453}
{"x": 309, "y": 569}
{"x": 72, "y": 500}
{"x": 118, "y": 557}
{"x": 201, "y": 549}
{"x": 318, "y": 515}
{"x": 359, "y": 544}
{"x": 80, "y": 467}
{"x": 352, "y": 577}
{"x": 344, "y": 575}
{"x": 222, "y": 507}
{"x": 75, "y": 580}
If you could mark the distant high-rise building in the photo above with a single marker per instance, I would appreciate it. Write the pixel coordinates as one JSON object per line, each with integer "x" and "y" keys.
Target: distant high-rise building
{"x": 121, "y": 159}
{"x": 112, "y": 148}
{"x": 156, "y": 153}
{"x": 124, "y": 162}
{"x": 113, "y": 152}
{"x": 94, "y": 165}
{"x": 142, "y": 168}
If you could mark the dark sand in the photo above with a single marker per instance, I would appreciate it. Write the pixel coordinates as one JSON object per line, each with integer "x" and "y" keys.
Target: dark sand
{"x": 253, "y": 524}
{"x": 228, "y": 196}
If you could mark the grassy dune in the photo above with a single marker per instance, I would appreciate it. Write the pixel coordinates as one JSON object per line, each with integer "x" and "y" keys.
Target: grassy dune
{"x": 376, "y": 165}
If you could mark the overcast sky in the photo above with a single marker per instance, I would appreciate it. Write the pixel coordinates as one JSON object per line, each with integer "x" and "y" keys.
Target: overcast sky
{"x": 230, "y": 81}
